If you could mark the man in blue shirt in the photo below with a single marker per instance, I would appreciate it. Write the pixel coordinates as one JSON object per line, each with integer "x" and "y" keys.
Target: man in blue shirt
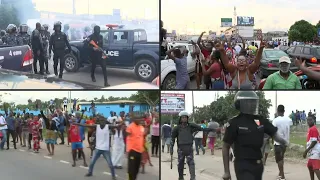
{"x": 61, "y": 126}
{"x": 11, "y": 130}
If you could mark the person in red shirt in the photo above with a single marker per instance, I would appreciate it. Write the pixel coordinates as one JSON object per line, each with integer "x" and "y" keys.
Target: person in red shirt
{"x": 76, "y": 142}
{"x": 214, "y": 71}
{"x": 313, "y": 149}
{"x": 206, "y": 51}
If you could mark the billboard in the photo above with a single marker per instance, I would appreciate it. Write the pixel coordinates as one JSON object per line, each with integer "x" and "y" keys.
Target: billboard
{"x": 226, "y": 22}
{"x": 245, "y": 21}
{"x": 246, "y": 32}
{"x": 172, "y": 103}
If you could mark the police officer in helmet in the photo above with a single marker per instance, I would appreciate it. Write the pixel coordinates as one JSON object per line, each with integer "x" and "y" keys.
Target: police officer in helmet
{"x": 58, "y": 43}
{"x": 183, "y": 132}
{"x": 96, "y": 54}
{"x": 246, "y": 132}
{"x": 37, "y": 48}
{"x": 2, "y": 34}
{"x": 11, "y": 37}
{"x": 23, "y": 34}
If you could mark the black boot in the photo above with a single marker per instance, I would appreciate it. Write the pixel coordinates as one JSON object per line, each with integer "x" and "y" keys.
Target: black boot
{"x": 106, "y": 84}
{"x": 56, "y": 72}
{"x": 93, "y": 78}
{"x": 47, "y": 72}
{"x": 60, "y": 76}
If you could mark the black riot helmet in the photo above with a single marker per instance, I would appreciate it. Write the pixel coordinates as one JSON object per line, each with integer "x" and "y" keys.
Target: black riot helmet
{"x": 42, "y": 29}
{"x": 2, "y": 33}
{"x": 46, "y": 27}
{"x": 23, "y": 28}
{"x": 96, "y": 30}
{"x": 11, "y": 28}
{"x": 247, "y": 102}
{"x": 57, "y": 26}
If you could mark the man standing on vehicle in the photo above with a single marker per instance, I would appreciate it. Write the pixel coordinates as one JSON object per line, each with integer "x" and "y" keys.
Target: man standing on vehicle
{"x": 96, "y": 54}
{"x": 11, "y": 38}
{"x": 58, "y": 43}
{"x": 23, "y": 35}
{"x": 45, "y": 41}
{"x": 37, "y": 48}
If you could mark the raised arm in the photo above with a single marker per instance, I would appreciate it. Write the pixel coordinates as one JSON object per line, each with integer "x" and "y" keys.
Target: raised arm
{"x": 199, "y": 41}
{"x": 254, "y": 66}
{"x": 224, "y": 59}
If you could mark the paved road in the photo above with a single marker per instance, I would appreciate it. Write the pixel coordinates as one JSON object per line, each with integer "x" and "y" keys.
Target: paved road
{"x": 115, "y": 76}
{"x": 24, "y": 164}
{"x": 211, "y": 168}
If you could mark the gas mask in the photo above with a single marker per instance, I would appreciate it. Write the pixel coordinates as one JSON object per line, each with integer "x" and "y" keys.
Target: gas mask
{"x": 284, "y": 67}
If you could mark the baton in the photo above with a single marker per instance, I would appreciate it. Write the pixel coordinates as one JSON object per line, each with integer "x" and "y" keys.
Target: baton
{"x": 171, "y": 162}
{"x": 104, "y": 55}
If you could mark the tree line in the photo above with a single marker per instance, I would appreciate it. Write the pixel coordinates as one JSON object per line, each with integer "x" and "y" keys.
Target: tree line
{"x": 220, "y": 110}
{"x": 303, "y": 31}
{"x": 148, "y": 97}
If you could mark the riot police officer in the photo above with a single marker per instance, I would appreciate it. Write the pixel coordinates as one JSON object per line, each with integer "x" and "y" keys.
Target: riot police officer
{"x": 37, "y": 48}
{"x": 96, "y": 55}
{"x": 183, "y": 132}
{"x": 246, "y": 133}
{"x": 58, "y": 43}
{"x": 11, "y": 37}
{"x": 2, "y": 35}
{"x": 23, "y": 34}
{"x": 45, "y": 43}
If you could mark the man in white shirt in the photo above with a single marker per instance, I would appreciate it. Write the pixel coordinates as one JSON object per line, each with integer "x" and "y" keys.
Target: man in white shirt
{"x": 65, "y": 104}
{"x": 3, "y": 129}
{"x": 283, "y": 124}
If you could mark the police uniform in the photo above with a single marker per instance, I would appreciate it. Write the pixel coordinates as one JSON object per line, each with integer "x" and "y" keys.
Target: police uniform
{"x": 96, "y": 56}
{"x": 58, "y": 43}
{"x": 184, "y": 135}
{"x": 246, "y": 133}
{"x": 23, "y": 35}
{"x": 12, "y": 39}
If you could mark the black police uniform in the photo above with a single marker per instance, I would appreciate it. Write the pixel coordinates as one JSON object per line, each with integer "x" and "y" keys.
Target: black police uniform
{"x": 58, "y": 43}
{"x": 96, "y": 56}
{"x": 246, "y": 133}
{"x": 185, "y": 138}
{"x": 37, "y": 46}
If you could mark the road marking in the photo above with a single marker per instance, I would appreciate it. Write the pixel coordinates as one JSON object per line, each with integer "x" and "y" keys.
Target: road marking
{"x": 107, "y": 173}
{"x": 22, "y": 150}
{"x": 84, "y": 167}
{"x": 48, "y": 157}
{"x": 33, "y": 153}
{"x": 65, "y": 162}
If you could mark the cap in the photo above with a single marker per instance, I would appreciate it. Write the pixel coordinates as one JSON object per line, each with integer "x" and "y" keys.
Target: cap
{"x": 285, "y": 59}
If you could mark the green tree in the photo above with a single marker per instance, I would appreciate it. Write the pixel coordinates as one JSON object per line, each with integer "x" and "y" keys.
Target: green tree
{"x": 222, "y": 109}
{"x": 302, "y": 31}
{"x": 149, "y": 97}
{"x": 8, "y": 15}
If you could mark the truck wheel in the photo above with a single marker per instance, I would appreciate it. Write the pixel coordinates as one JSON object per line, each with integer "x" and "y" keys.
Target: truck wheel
{"x": 145, "y": 70}
{"x": 71, "y": 63}
{"x": 169, "y": 82}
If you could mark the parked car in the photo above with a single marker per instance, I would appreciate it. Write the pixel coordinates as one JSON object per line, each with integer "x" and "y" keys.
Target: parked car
{"x": 17, "y": 58}
{"x": 126, "y": 49}
{"x": 168, "y": 67}
{"x": 284, "y": 48}
{"x": 306, "y": 83}
{"x": 309, "y": 53}
{"x": 270, "y": 62}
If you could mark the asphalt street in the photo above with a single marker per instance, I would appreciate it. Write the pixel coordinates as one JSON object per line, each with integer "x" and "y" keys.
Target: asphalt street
{"x": 24, "y": 164}
{"x": 115, "y": 76}
{"x": 210, "y": 167}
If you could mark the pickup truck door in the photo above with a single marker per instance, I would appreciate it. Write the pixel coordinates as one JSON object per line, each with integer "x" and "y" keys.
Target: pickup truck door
{"x": 120, "y": 48}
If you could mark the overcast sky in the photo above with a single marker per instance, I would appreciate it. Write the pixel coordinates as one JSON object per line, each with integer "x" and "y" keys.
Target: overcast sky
{"x": 21, "y": 97}
{"x": 292, "y": 100}
{"x": 148, "y": 9}
{"x": 204, "y": 15}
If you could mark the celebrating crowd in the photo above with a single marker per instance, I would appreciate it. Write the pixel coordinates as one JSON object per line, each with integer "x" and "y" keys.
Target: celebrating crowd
{"x": 112, "y": 137}
{"x": 222, "y": 63}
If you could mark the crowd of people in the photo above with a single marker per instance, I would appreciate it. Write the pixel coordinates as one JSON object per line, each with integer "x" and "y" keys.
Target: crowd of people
{"x": 300, "y": 117}
{"x": 112, "y": 137}
{"x": 222, "y": 63}
{"x": 43, "y": 45}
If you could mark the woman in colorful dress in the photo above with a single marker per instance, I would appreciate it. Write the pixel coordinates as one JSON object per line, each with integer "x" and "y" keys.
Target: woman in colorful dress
{"x": 51, "y": 135}
{"x": 35, "y": 126}
{"x": 145, "y": 155}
